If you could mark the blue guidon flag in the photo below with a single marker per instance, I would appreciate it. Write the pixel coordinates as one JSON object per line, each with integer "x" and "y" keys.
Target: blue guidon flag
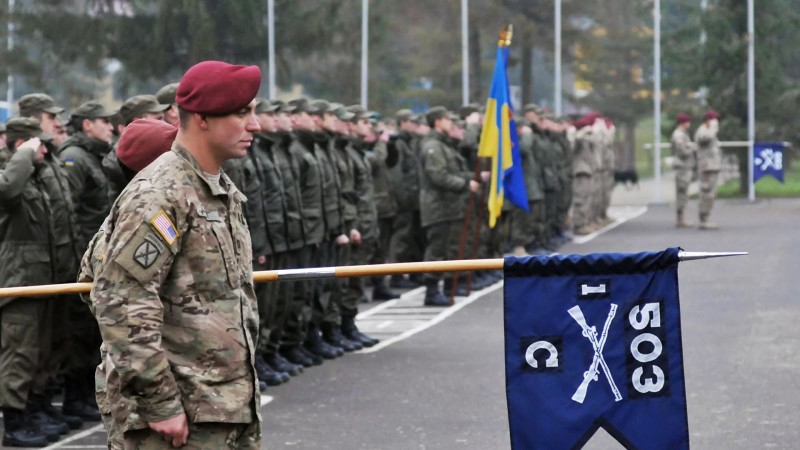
{"x": 594, "y": 341}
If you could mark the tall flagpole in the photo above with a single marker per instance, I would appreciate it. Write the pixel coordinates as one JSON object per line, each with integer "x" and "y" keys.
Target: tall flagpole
{"x": 657, "y": 97}
{"x": 464, "y": 52}
{"x": 10, "y": 75}
{"x": 271, "y": 44}
{"x": 364, "y": 51}
{"x": 751, "y": 97}
{"x": 557, "y": 52}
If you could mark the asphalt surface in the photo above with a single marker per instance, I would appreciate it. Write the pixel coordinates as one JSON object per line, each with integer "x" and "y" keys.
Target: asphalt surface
{"x": 443, "y": 388}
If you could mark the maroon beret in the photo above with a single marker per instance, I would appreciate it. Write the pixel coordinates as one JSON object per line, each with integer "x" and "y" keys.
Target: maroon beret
{"x": 143, "y": 141}
{"x": 711, "y": 114}
{"x": 218, "y": 88}
{"x": 683, "y": 118}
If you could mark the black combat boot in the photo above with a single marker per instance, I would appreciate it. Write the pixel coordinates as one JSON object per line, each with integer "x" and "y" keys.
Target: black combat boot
{"x": 351, "y": 331}
{"x": 382, "y": 292}
{"x": 267, "y": 375}
{"x": 75, "y": 401}
{"x": 332, "y": 333}
{"x": 19, "y": 432}
{"x": 401, "y": 282}
{"x": 316, "y": 360}
{"x": 281, "y": 364}
{"x": 433, "y": 296}
{"x": 319, "y": 347}
{"x": 295, "y": 356}
{"x": 39, "y": 403}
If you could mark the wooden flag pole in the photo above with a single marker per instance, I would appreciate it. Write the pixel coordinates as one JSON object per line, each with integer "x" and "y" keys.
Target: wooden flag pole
{"x": 335, "y": 272}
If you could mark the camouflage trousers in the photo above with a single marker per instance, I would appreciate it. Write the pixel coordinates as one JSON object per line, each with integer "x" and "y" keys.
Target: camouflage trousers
{"x": 408, "y": 240}
{"x": 443, "y": 242}
{"x": 24, "y": 344}
{"x": 202, "y": 436}
{"x": 527, "y": 228}
{"x": 266, "y": 297}
{"x": 304, "y": 295}
{"x": 605, "y": 198}
{"x": 582, "y": 201}
{"x": 281, "y": 303}
{"x": 708, "y": 191}
{"x": 683, "y": 178}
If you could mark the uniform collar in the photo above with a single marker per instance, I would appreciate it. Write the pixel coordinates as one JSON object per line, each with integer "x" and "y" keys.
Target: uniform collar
{"x": 225, "y": 182}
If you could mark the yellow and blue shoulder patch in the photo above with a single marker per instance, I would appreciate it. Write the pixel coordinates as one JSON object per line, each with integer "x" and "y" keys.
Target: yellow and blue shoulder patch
{"x": 69, "y": 162}
{"x": 162, "y": 223}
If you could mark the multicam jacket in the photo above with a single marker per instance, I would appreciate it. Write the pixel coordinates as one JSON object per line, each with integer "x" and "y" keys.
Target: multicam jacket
{"x": 173, "y": 297}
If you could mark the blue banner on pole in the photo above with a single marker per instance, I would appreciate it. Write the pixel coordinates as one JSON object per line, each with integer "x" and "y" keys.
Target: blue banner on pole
{"x": 768, "y": 160}
{"x": 594, "y": 341}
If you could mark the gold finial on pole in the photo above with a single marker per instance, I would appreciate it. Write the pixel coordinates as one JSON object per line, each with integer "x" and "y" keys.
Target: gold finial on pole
{"x": 505, "y": 36}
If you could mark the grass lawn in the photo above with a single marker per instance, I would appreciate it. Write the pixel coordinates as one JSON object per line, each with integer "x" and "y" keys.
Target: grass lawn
{"x": 767, "y": 187}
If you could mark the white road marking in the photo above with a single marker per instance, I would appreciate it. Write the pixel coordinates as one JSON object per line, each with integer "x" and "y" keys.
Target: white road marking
{"x": 447, "y": 312}
{"x": 390, "y": 303}
{"x": 384, "y": 324}
{"x": 266, "y": 399}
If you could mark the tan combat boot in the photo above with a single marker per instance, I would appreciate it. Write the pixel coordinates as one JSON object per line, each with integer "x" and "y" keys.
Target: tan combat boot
{"x": 705, "y": 224}
{"x": 681, "y": 222}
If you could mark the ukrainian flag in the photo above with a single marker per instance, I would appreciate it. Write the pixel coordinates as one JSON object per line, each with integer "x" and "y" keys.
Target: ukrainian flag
{"x": 499, "y": 141}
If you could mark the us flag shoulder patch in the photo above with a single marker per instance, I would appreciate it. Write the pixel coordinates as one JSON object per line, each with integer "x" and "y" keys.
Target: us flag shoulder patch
{"x": 165, "y": 227}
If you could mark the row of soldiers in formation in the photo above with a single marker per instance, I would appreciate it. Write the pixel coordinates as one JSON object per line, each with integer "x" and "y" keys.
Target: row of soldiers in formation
{"x": 326, "y": 185}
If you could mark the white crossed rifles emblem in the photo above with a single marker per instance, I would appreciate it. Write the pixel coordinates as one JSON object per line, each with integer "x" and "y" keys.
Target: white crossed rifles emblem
{"x": 769, "y": 158}
{"x": 591, "y": 334}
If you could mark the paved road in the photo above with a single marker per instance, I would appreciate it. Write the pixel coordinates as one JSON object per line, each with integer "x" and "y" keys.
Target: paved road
{"x": 443, "y": 387}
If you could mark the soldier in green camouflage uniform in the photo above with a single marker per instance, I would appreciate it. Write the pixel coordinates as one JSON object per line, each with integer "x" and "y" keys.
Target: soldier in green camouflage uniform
{"x": 303, "y": 149}
{"x": 445, "y": 185}
{"x": 82, "y": 155}
{"x": 28, "y": 251}
{"x": 43, "y": 109}
{"x": 173, "y": 291}
{"x": 527, "y": 234}
{"x": 406, "y": 243}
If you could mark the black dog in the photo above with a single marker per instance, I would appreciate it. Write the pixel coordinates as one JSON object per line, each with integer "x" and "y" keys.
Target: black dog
{"x": 627, "y": 177}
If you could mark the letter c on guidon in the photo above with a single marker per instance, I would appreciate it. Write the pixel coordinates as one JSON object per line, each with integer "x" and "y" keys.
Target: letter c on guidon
{"x": 551, "y": 361}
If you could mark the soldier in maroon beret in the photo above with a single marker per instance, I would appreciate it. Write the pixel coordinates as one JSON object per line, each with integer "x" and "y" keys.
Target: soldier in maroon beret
{"x": 172, "y": 270}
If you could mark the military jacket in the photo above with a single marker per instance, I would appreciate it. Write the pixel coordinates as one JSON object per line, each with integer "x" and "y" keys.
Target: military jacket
{"x": 272, "y": 196}
{"x": 173, "y": 296}
{"x": 66, "y": 252}
{"x": 82, "y": 157}
{"x": 289, "y": 168}
{"x": 444, "y": 181}
{"x": 682, "y": 148}
{"x": 549, "y": 157}
{"x": 565, "y": 162}
{"x": 331, "y": 197}
{"x": 531, "y": 167}
{"x": 366, "y": 211}
{"x": 385, "y": 202}
{"x": 310, "y": 179}
{"x": 709, "y": 156}
{"x": 115, "y": 174}
{"x": 347, "y": 182}
{"x": 25, "y": 222}
{"x": 405, "y": 174}
{"x": 585, "y": 162}
{"x": 242, "y": 172}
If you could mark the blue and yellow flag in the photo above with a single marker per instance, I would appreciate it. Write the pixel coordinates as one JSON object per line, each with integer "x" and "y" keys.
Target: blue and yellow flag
{"x": 499, "y": 141}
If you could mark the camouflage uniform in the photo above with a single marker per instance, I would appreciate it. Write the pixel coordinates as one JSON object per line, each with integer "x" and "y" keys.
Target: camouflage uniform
{"x": 406, "y": 244}
{"x": 444, "y": 189}
{"x": 310, "y": 181}
{"x": 26, "y": 251}
{"x": 82, "y": 157}
{"x": 709, "y": 164}
{"x": 584, "y": 168}
{"x": 683, "y": 150}
{"x": 173, "y": 295}
{"x": 287, "y": 168}
{"x": 527, "y": 229}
